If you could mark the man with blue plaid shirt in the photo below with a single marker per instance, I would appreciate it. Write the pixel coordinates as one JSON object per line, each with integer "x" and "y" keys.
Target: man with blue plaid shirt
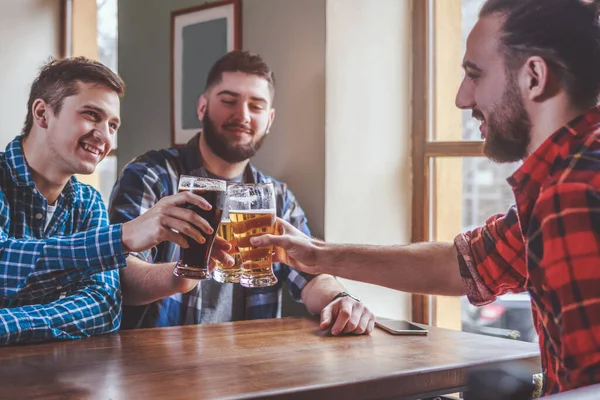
{"x": 237, "y": 112}
{"x": 59, "y": 257}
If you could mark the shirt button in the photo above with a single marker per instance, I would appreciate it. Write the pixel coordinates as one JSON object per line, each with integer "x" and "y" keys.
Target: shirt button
{"x": 38, "y": 216}
{"x": 34, "y": 191}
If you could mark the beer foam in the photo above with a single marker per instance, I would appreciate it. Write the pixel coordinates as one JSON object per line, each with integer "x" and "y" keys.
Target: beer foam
{"x": 263, "y": 211}
{"x": 243, "y": 199}
{"x": 194, "y": 182}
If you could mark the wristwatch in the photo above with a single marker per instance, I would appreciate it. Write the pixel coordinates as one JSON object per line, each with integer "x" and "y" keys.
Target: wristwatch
{"x": 344, "y": 294}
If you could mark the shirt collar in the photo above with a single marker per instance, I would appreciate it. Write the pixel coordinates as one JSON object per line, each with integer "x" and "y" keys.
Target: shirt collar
{"x": 17, "y": 166}
{"x": 21, "y": 175}
{"x": 192, "y": 160}
{"x": 531, "y": 175}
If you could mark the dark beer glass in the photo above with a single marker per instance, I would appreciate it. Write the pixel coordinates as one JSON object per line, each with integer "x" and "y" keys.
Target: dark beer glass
{"x": 193, "y": 261}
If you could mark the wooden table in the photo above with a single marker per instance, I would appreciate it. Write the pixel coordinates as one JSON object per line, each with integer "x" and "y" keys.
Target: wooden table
{"x": 287, "y": 357}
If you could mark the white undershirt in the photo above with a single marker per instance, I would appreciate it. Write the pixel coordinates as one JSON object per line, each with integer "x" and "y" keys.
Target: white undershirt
{"x": 49, "y": 215}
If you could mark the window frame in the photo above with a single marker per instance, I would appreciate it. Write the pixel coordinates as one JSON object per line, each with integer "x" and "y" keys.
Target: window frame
{"x": 68, "y": 41}
{"x": 425, "y": 150}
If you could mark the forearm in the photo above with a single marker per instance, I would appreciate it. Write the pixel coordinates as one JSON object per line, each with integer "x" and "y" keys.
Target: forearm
{"x": 143, "y": 282}
{"x": 319, "y": 292}
{"x": 430, "y": 268}
{"x": 92, "y": 310}
{"x": 32, "y": 268}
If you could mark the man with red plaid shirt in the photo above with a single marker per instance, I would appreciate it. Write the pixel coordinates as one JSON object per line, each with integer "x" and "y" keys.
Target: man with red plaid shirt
{"x": 532, "y": 77}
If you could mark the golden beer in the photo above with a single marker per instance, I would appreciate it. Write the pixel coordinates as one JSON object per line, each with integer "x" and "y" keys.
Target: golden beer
{"x": 222, "y": 272}
{"x": 257, "y": 269}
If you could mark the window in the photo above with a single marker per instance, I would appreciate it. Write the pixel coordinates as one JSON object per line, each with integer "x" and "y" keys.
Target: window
{"x": 455, "y": 187}
{"x": 97, "y": 41}
{"x": 107, "y": 32}
{"x": 107, "y": 55}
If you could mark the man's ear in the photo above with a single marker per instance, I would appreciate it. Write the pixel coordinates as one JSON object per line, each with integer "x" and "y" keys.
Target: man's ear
{"x": 40, "y": 111}
{"x": 271, "y": 119}
{"x": 536, "y": 77}
{"x": 202, "y": 104}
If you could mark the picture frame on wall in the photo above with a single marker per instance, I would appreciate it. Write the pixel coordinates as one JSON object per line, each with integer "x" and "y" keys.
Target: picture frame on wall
{"x": 199, "y": 37}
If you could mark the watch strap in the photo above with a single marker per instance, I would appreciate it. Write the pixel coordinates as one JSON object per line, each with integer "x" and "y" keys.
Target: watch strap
{"x": 344, "y": 294}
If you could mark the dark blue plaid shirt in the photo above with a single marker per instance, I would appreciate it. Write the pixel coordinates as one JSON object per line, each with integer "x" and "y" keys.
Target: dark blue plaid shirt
{"x": 60, "y": 282}
{"x": 154, "y": 175}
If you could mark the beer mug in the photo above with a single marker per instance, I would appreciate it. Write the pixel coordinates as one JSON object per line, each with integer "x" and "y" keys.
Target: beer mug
{"x": 224, "y": 273}
{"x": 252, "y": 213}
{"x": 193, "y": 261}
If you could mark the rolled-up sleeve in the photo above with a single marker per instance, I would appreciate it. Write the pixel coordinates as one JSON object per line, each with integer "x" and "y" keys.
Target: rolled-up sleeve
{"x": 491, "y": 258}
{"x": 92, "y": 304}
{"x": 93, "y": 308}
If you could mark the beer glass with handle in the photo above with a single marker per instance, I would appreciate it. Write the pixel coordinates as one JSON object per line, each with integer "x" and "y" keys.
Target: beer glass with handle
{"x": 252, "y": 213}
{"x": 193, "y": 262}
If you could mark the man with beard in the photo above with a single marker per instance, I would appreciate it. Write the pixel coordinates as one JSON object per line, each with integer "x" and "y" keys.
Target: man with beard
{"x": 237, "y": 113}
{"x": 59, "y": 257}
{"x": 532, "y": 77}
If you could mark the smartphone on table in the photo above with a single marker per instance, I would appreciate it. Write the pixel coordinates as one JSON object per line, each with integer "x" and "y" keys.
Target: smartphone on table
{"x": 399, "y": 327}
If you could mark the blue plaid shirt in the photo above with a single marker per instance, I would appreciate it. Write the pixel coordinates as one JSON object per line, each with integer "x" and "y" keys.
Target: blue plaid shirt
{"x": 60, "y": 282}
{"x": 154, "y": 175}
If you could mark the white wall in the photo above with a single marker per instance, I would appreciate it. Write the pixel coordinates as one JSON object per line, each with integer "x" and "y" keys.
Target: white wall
{"x": 343, "y": 105}
{"x": 29, "y": 35}
{"x": 276, "y": 29}
{"x": 294, "y": 152}
{"x": 290, "y": 35}
{"x": 368, "y": 180}
{"x": 342, "y": 110}
{"x": 144, "y": 58}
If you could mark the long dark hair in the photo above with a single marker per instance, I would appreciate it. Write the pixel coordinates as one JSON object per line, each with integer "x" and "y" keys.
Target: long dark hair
{"x": 565, "y": 33}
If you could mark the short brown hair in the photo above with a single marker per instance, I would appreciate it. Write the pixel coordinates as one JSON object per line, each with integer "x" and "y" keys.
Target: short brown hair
{"x": 565, "y": 33}
{"x": 241, "y": 61}
{"x": 59, "y": 79}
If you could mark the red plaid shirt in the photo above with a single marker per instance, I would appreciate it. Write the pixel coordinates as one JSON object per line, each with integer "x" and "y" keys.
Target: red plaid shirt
{"x": 549, "y": 245}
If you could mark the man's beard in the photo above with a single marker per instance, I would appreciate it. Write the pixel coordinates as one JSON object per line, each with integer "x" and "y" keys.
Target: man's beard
{"x": 508, "y": 127}
{"x": 219, "y": 144}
